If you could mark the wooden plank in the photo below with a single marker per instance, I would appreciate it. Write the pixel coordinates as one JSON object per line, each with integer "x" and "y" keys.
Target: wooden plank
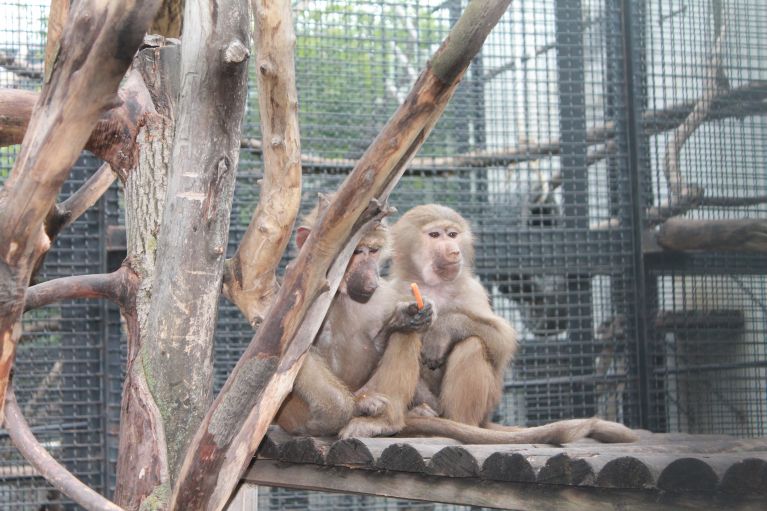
{"x": 748, "y": 476}
{"x": 672, "y": 462}
{"x": 454, "y": 461}
{"x": 350, "y": 451}
{"x": 688, "y": 474}
{"x": 474, "y": 492}
{"x": 501, "y": 466}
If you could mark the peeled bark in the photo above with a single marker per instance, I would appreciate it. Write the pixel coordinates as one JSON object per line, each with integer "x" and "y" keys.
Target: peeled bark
{"x": 238, "y": 418}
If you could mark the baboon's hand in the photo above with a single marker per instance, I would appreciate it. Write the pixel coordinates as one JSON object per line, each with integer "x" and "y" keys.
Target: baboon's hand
{"x": 408, "y": 318}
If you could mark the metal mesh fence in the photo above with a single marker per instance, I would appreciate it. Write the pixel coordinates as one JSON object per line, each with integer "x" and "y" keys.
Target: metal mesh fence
{"x": 554, "y": 147}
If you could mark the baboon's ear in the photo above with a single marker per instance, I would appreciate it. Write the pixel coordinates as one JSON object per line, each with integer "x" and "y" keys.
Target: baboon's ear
{"x": 301, "y": 234}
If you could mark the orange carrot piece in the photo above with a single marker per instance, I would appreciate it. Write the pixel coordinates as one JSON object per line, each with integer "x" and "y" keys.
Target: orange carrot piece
{"x": 417, "y": 295}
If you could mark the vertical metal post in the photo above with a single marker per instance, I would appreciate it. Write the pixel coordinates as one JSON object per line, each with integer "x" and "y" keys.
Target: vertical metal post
{"x": 633, "y": 16}
{"x": 104, "y": 332}
{"x": 573, "y": 164}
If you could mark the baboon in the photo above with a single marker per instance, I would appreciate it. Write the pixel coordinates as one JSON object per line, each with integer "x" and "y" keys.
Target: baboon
{"x": 351, "y": 341}
{"x": 466, "y": 351}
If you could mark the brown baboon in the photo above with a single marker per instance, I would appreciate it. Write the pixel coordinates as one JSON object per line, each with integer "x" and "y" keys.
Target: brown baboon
{"x": 352, "y": 340}
{"x": 466, "y": 351}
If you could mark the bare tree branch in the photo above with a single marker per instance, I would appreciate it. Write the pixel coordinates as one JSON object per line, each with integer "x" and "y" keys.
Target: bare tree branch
{"x": 65, "y": 213}
{"x": 112, "y": 138}
{"x": 237, "y": 421}
{"x": 682, "y": 197}
{"x": 82, "y": 85}
{"x": 733, "y": 202}
{"x": 38, "y": 457}
{"x": 118, "y": 287}
{"x": 744, "y": 101}
{"x": 15, "y": 110}
{"x": 249, "y": 277}
{"x": 741, "y": 235}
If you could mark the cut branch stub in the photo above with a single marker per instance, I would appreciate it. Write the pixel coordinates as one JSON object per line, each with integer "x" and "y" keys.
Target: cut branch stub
{"x": 82, "y": 85}
{"x": 240, "y": 415}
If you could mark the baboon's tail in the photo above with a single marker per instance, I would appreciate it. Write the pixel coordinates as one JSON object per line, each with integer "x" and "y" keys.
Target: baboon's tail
{"x": 560, "y": 432}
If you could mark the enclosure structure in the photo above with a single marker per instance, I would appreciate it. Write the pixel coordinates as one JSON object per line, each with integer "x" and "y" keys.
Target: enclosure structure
{"x": 557, "y": 148}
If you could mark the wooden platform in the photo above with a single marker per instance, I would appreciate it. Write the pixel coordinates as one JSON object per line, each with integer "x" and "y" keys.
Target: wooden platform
{"x": 660, "y": 472}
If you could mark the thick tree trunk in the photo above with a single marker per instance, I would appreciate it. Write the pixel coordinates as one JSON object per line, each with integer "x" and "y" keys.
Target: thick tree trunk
{"x": 82, "y": 85}
{"x": 177, "y": 345}
{"x": 238, "y": 418}
{"x": 142, "y": 465}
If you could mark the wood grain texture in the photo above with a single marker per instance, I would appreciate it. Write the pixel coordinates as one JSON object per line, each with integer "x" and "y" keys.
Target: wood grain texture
{"x": 142, "y": 463}
{"x": 478, "y": 492}
{"x": 177, "y": 347}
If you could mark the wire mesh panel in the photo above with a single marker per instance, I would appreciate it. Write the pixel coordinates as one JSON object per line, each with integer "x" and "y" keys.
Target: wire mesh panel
{"x": 707, "y": 348}
{"x": 556, "y": 149}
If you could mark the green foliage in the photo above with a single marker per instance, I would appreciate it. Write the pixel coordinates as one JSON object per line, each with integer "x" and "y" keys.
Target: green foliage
{"x": 355, "y": 61}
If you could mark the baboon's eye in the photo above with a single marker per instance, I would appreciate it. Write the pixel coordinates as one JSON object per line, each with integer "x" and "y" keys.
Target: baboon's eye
{"x": 373, "y": 250}
{"x": 453, "y": 234}
{"x": 357, "y": 251}
{"x": 434, "y": 234}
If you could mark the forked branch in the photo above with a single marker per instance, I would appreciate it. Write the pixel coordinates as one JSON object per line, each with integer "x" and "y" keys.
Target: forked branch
{"x": 682, "y": 197}
{"x": 249, "y": 277}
